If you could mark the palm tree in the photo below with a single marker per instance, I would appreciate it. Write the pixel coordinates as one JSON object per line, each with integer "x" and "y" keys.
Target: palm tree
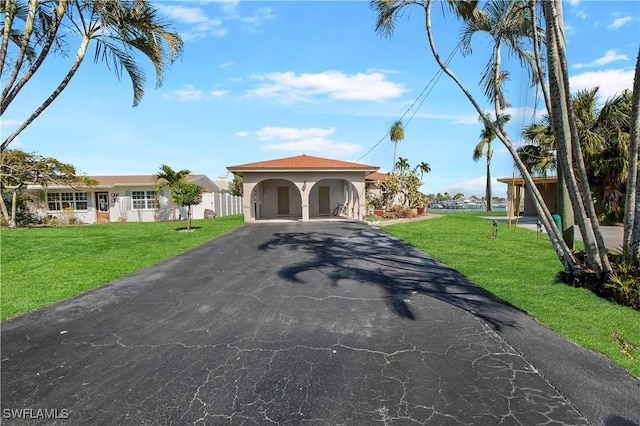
{"x": 631, "y": 238}
{"x": 388, "y": 11}
{"x": 508, "y": 24}
{"x": 118, "y": 28}
{"x": 169, "y": 178}
{"x": 397, "y": 134}
{"x": 603, "y": 133}
{"x": 402, "y": 164}
{"x": 487, "y": 135}
{"x": 424, "y": 167}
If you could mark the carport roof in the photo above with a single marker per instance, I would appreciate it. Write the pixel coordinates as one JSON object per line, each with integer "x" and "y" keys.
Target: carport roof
{"x": 302, "y": 163}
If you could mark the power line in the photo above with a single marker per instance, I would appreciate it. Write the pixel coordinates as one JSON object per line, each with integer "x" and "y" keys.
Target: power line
{"x": 431, "y": 83}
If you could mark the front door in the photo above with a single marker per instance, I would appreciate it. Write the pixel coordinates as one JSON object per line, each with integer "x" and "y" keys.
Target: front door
{"x": 283, "y": 200}
{"x": 102, "y": 206}
{"x": 324, "y": 206}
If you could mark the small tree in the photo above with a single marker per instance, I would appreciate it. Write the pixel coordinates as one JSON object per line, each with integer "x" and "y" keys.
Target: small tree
{"x": 187, "y": 194}
{"x": 236, "y": 186}
{"x": 19, "y": 169}
{"x": 167, "y": 177}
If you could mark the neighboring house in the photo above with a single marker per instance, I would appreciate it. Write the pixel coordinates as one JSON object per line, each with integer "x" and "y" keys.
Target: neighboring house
{"x": 517, "y": 189}
{"x": 371, "y": 181}
{"x": 132, "y": 198}
{"x": 302, "y": 187}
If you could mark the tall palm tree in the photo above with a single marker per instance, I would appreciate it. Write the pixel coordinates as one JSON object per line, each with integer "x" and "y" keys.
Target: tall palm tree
{"x": 424, "y": 167}
{"x": 631, "y": 237}
{"x": 397, "y": 135}
{"x": 402, "y": 164}
{"x": 118, "y": 28}
{"x": 487, "y": 136}
{"x": 387, "y": 12}
{"x": 169, "y": 178}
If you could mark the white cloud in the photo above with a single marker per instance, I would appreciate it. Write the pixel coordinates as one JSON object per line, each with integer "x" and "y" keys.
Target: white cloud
{"x": 200, "y": 25}
{"x": 610, "y": 56}
{"x": 10, "y": 122}
{"x": 619, "y": 22}
{"x": 611, "y": 82}
{"x": 218, "y": 93}
{"x": 226, "y": 64}
{"x": 289, "y": 133}
{"x": 242, "y": 134}
{"x": 188, "y": 93}
{"x": 318, "y": 145}
{"x": 335, "y": 85}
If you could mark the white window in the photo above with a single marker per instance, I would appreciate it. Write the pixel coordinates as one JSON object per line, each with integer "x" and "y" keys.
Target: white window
{"x": 144, "y": 199}
{"x": 67, "y": 200}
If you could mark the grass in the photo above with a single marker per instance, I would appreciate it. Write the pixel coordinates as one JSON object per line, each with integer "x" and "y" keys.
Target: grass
{"x": 40, "y": 266}
{"x": 522, "y": 270}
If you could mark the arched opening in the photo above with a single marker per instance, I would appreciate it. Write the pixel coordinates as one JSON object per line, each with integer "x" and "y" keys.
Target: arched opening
{"x": 327, "y": 195}
{"x": 276, "y": 199}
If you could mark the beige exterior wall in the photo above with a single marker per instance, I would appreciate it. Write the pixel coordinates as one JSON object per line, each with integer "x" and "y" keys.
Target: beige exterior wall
{"x": 261, "y": 194}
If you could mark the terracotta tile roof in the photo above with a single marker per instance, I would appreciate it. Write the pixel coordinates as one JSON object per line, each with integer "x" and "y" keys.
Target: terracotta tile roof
{"x": 301, "y": 162}
{"x": 376, "y": 176}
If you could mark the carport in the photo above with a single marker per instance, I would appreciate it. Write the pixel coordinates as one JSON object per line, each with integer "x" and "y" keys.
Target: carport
{"x": 303, "y": 188}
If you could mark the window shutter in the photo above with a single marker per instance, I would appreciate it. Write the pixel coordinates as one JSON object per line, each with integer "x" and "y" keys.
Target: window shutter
{"x": 127, "y": 202}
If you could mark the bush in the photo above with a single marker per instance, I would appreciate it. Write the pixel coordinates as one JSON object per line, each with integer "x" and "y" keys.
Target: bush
{"x": 622, "y": 286}
{"x": 400, "y": 212}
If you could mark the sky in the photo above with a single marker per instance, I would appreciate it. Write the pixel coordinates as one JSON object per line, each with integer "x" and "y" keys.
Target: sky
{"x": 262, "y": 80}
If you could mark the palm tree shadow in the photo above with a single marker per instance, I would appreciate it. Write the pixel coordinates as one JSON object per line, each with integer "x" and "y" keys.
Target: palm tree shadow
{"x": 372, "y": 257}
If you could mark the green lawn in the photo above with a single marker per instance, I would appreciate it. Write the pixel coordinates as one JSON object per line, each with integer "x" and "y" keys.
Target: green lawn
{"x": 520, "y": 269}
{"x": 40, "y": 266}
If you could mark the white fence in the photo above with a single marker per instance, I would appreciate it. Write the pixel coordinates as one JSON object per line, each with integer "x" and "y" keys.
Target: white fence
{"x": 215, "y": 205}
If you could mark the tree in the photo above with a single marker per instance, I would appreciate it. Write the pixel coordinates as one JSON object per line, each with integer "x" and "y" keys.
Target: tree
{"x": 403, "y": 186}
{"x": 631, "y": 237}
{"x": 19, "y": 169}
{"x": 169, "y": 178}
{"x": 569, "y": 154}
{"x": 487, "y": 135}
{"x": 424, "y": 168}
{"x": 388, "y": 11}
{"x": 119, "y": 29}
{"x": 397, "y": 135}
{"x": 236, "y": 186}
{"x": 603, "y": 133}
{"x": 187, "y": 195}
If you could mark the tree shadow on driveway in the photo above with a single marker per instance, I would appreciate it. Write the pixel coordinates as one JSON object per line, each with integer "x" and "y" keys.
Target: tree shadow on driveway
{"x": 353, "y": 252}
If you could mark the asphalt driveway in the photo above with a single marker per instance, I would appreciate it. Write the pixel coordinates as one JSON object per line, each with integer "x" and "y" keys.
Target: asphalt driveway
{"x": 301, "y": 323}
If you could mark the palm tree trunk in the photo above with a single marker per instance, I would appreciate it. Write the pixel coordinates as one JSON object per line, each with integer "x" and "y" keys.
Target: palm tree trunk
{"x": 51, "y": 37}
{"x": 10, "y": 12}
{"x": 76, "y": 64}
{"x": 564, "y": 208}
{"x": 631, "y": 242}
{"x": 28, "y": 30}
{"x": 567, "y": 142}
{"x": 488, "y": 192}
{"x": 562, "y": 251}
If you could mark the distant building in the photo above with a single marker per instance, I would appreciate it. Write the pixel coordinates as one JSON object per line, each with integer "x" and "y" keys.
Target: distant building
{"x": 131, "y": 198}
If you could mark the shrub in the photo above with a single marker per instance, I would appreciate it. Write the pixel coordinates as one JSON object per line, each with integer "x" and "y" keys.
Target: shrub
{"x": 400, "y": 212}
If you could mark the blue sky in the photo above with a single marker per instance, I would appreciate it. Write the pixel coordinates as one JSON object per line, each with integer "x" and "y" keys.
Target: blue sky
{"x": 262, "y": 80}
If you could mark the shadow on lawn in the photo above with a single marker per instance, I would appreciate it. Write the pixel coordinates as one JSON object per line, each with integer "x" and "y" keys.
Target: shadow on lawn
{"x": 372, "y": 257}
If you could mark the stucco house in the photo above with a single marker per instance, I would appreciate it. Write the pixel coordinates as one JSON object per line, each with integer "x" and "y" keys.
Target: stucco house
{"x": 131, "y": 198}
{"x": 302, "y": 188}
